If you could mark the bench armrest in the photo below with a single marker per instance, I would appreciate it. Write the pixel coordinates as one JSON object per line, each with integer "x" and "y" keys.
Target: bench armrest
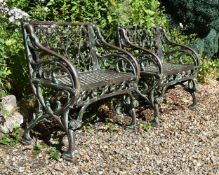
{"x": 118, "y": 55}
{"x": 143, "y": 56}
{"x": 181, "y": 49}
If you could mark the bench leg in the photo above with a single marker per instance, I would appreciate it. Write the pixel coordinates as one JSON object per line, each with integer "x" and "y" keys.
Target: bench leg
{"x": 155, "y": 101}
{"x": 191, "y": 88}
{"x": 152, "y": 95}
{"x": 70, "y": 126}
{"x": 132, "y": 112}
{"x": 156, "y": 115}
{"x": 37, "y": 117}
{"x": 67, "y": 155}
{"x": 129, "y": 103}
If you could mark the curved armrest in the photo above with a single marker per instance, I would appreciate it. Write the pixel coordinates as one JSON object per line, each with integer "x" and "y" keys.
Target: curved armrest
{"x": 114, "y": 50}
{"x": 71, "y": 69}
{"x": 186, "y": 49}
{"x": 182, "y": 56}
{"x": 142, "y": 54}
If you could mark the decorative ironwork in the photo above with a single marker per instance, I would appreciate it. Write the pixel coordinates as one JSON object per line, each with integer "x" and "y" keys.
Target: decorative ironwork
{"x": 72, "y": 66}
{"x": 163, "y": 63}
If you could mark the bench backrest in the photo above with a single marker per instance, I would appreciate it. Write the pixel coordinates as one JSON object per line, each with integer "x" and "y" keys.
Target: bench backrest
{"x": 151, "y": 39}
{"x": 76, "y": 41}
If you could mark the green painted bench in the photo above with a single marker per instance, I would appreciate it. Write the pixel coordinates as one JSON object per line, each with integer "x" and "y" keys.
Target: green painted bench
{"x": 70, "y": 67}
{"x": 163, "y": 63}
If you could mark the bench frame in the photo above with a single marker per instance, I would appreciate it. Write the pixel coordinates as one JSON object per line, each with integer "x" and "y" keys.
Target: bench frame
{"x": 158, "y": 73}
{"x": 56, "y": 73}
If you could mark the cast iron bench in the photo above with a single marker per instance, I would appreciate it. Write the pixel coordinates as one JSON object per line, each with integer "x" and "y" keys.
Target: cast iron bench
{"x": 163, "y": 63}
{"x": 71, "y": 66}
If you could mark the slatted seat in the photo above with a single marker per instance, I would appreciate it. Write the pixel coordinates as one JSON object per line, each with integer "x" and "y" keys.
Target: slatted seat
{"x": 169, "y": 69}
{"x": 100, "y": 78}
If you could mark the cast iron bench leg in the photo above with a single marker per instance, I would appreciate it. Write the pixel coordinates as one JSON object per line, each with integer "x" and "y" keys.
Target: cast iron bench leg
{"x": 191, "y": 88}
{"x": 67, "y": 155}
{"x": 156, "y": 114}
{"x": 37, "y": 117}
{"x": 132, "y": 112}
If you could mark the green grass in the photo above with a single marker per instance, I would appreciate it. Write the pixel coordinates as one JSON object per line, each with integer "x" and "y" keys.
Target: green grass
{"x": 54, "y": 153}
{"x": 110, "y": 127}
{"x": 37, "y": 149}
{"x": 147, "y": 126}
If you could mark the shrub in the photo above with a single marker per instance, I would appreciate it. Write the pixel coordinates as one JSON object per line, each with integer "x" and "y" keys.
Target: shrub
{"x": 11, "y": 50}
{"x": 4, "y": 70}
{"x": 200, "y": 17}
{"x": 196, "y": 16}
{"x": 107, "y": 14}
{"x": 207, "y": 71}
{"x": 11, "y": 139}
{"x": 176, "y": 34}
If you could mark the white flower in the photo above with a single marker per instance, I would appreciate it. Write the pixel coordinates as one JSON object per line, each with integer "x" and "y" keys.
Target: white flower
{"x": 181, "y": 25}
{"x": 16, "y": 14}
{"x": 46, "y": 9}
{"x": 1, "y": 2}
{"x": 13, "y": 14}
{"x": 12, "y": 19}
{"x": 4, "y": 10}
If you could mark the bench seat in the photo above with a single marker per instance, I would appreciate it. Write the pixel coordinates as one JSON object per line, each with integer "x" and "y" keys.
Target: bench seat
{"x": 68, "y": 72}
{"x": 164, "y": 63}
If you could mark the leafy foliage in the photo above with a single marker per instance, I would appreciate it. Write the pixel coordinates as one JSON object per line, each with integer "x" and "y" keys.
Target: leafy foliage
{"x": 110, "y": 127}
{"x": 12, "y": 69}
{"x": 201, "y": 17}
{"x": 54, "y": 153}
{"x": 197, "y": 16}
{"x": 178, "y": 36}
{"x": 208, "y": 70}
{"x": 147, "y": 126}
{"x": 12, "y": 138}
{"x": 4, "y": 70}
{"x": 37, "y": 149}
{"x": 107, "y": 14}
{"x": 217, "y": 68}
